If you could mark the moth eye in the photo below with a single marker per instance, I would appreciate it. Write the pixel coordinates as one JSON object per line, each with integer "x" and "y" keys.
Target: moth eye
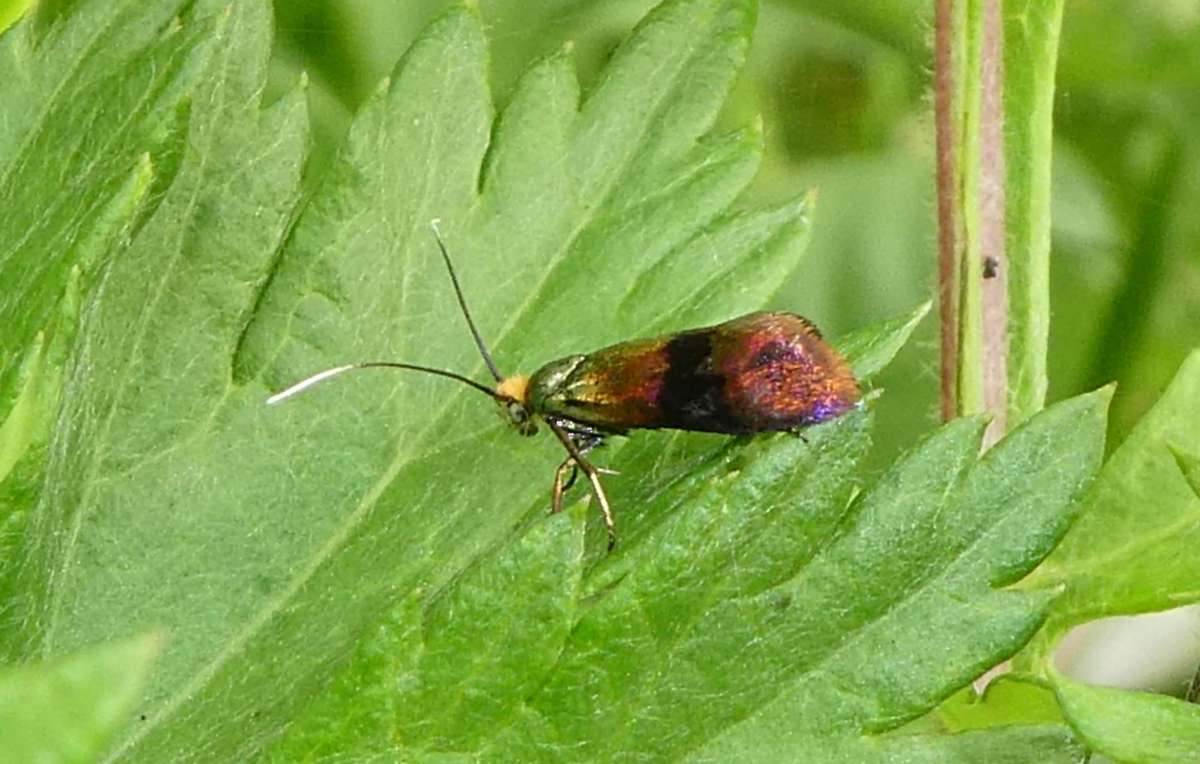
{"x": 521, "y": 419}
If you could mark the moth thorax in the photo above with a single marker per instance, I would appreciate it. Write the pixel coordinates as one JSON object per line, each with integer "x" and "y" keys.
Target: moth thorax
{"x": 515, "y": 387}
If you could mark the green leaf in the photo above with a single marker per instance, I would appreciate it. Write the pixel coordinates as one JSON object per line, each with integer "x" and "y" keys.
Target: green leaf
{"x": 1132, "y": 727}
{"x": 1012, "y": 745}
{"x": 39, "y": 381}
{"x": 132, "y": 471}
{"x": 749, "y": 622}
{"x": 1131, "y": 548}
{"x": 1189, "y": 465}
{"x": 175, "y": 497}
{"x": 508, "y": 616}
{"x": 473, "y": 651}
{"x": 66, "y": 710}
{"x": 11, "y": 10}
{"x": 1131, "y": 551}
{"x": 25, "y": 437}
{"x": 930, "y": 542}
{"x": 872, "y": 348}
{"x": 91, "y": 104}
{"x": 1010, "y": 699}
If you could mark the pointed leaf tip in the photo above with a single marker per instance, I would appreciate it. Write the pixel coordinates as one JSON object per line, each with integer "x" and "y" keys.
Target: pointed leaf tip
{"x": 870, "y": 349}
{"x": 1189, "y": 465}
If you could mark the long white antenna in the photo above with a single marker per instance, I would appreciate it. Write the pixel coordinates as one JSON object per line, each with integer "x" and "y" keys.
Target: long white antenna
{"x": 307, "y": 382}
{"x": 320, "y": 376}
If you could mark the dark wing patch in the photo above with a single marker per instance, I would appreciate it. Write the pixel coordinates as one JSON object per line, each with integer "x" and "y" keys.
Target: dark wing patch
{"x": 692, "y": 396}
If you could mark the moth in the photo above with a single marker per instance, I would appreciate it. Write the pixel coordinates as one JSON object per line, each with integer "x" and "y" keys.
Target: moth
{"x": 761, "y": 372}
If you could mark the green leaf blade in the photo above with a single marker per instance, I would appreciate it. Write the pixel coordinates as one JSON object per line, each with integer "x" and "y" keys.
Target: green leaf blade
{"x": 65, "y": 189}
{"x": 640, "y": 656}
{"x": 937, "y": 563}
{"x": 517, "y": 603}
{"x": 1039, "y": 455}
{"x": 1134, "y": 727}
{"x": 1015, "y": 745}
{"x": 507, "y": 636}
{"x": 683, "y": 81}
{"x": 1140, "y": 502}
{"x": 871, "y": 349}
{"x": 195, "y": 506}
{"x": 152, "y": 368}
{"x": 69, "y": 709}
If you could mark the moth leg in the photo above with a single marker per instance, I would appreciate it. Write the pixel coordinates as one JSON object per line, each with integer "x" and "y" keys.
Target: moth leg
{"x": 798, "y": 432}
{"x": 575, "y": 451}
{"x": 561, "y": 487}
{"x": 585, "y": 439}
{"x": 610, "y": 524}
{"x": 574, "y": 474}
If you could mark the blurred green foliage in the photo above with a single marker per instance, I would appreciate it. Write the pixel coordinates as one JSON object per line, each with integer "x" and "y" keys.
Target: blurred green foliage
{"x": 842, "y": 89}
{"x": 11, "y": 10}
